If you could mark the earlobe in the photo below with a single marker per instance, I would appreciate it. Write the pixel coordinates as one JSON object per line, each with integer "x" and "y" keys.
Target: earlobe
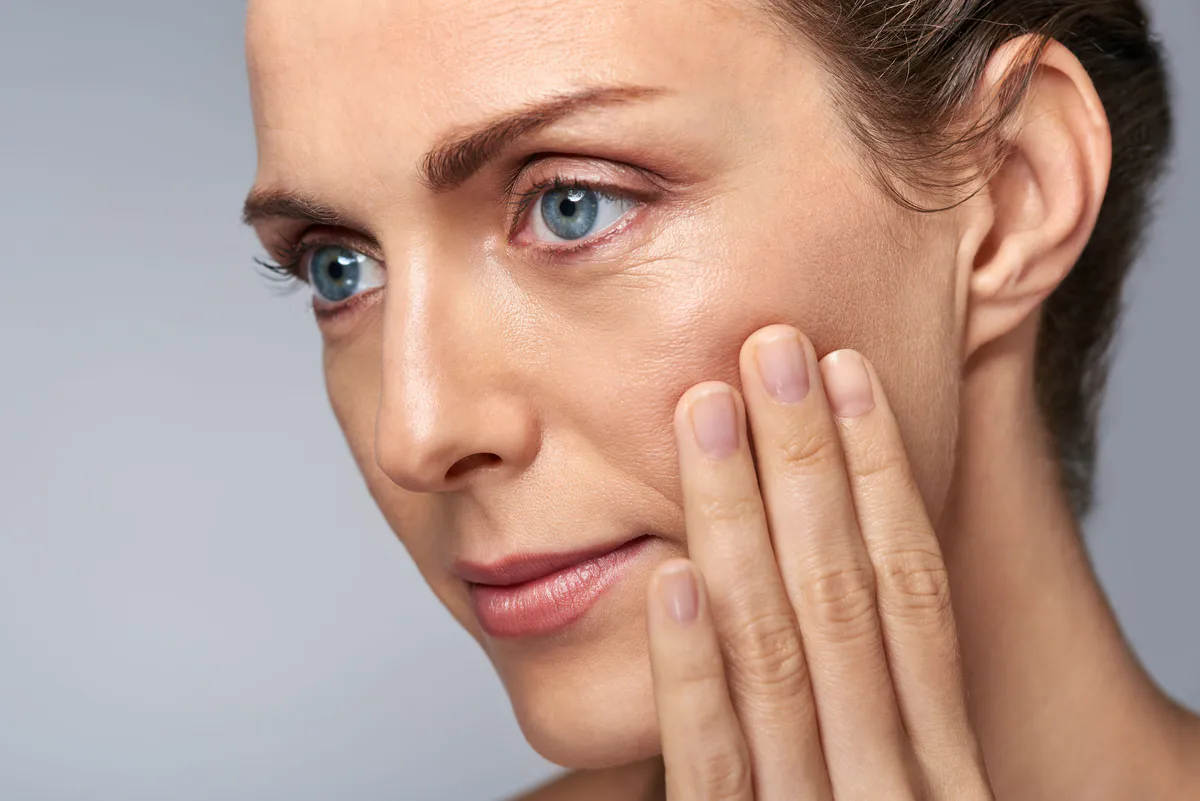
{"x": 1040, "y": 206}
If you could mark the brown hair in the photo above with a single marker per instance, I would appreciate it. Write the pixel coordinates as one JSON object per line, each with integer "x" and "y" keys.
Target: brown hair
{"x": 906, "y": 72}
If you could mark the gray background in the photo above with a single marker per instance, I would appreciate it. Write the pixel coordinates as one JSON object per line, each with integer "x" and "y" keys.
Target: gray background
{"x": 198, "y": 599}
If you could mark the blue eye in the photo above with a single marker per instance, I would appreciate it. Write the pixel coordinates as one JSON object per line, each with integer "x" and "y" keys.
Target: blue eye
{"x": 338, "y": 273}
{"x": 572, "y": 213}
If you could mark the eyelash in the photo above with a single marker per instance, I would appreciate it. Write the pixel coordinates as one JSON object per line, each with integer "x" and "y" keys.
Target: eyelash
{"x": 523, "y": 200}
{"x": 288, "y": 270}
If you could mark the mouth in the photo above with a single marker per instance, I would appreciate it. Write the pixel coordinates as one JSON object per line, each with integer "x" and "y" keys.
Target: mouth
{"x": 528, "y": 595}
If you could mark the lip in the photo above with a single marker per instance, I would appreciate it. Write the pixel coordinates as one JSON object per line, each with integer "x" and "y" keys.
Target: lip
{"x": 528, "y": 595}
{"x": 519, "y": 568}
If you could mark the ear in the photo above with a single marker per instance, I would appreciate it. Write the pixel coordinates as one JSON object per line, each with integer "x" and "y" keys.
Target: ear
{"x": 1021, "y": 236}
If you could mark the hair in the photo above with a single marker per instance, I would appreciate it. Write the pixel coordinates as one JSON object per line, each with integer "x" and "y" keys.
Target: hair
{"x": 905, "y": 74}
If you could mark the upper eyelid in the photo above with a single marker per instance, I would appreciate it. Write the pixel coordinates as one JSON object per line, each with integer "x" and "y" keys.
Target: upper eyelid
{"x": 592, "y": 172}
{"x": 293, "y": 249}
{"x": 560, "y": 169}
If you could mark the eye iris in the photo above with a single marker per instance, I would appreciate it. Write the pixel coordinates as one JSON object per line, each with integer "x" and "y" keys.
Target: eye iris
{"x": 335, "y": 272}
{"x": 570, "y": 213}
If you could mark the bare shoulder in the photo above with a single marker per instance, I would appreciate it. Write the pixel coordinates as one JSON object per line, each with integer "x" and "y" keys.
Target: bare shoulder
{"x": 566, "y": 786}
{"x": 641, "y": 781}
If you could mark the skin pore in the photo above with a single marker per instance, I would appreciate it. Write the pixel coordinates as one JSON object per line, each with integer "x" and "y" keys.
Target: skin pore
{"x": 512, "y": 394}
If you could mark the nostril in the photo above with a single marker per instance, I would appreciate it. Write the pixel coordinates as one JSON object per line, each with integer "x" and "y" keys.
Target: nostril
{"x": 475, "y": 461}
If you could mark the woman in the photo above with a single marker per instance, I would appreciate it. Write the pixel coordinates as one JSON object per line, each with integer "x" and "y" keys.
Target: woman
{"x": 701, "y": 352}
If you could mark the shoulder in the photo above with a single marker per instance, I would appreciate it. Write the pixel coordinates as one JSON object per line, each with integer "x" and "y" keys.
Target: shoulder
{"x": 560, "y": 787}
{"x": 577, "y": 785}
{"x": 637, "y": 781}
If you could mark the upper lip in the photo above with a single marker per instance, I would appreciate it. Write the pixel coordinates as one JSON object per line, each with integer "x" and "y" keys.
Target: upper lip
{"x": 521, "y": 567}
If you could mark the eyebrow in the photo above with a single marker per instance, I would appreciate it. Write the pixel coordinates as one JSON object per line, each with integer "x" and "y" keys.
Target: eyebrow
{"x": 457, "y": 157}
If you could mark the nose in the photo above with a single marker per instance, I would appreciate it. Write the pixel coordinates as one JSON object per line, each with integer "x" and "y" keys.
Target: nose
{"x": 452, "y": 410}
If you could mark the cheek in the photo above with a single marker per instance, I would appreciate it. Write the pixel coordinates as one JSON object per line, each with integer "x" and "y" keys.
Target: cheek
{"x": 352, "y": 383}
{"x": 842, "y": 275}
{"x": 921, "y": 374}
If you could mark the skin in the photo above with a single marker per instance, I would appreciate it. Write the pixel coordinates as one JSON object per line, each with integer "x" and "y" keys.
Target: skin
{"x": 504, "y": 396}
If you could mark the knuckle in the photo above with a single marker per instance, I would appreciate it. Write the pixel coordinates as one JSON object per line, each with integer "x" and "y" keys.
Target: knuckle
{"x": 706, "y": 714}
{"x": 914, "y": 581}
{"x": 696, "y": 679}
{"x": 809, "y": 448}
{"x": 964, "y": 783}
{"x": 879, "y": 460}
{"x": 733, "y": 508}
{"x": 766, "y": 651}
{"x": 841, "y": 600}
{"x": 722, "y": 773}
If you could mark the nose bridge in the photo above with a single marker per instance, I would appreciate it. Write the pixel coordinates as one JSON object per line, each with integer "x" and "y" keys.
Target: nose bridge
{"x": 448, "y": 407}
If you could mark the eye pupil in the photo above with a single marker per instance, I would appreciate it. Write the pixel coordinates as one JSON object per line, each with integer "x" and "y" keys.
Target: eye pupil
{"x": 570, "y": 213}
{"x": 335, "y": 272}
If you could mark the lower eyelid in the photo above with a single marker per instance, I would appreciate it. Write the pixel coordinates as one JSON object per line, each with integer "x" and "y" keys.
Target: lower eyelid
{"x": 329, "y": 312}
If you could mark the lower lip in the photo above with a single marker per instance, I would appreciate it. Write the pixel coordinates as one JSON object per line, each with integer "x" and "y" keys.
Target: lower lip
{"x": 551, "y": 603}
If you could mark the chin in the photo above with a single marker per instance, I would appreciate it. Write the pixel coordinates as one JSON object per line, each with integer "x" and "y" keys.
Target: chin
{"x": 584, "y": 699}
{"x": 584, "y": 720}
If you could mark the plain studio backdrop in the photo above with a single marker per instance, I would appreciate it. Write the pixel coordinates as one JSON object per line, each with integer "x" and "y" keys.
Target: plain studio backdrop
{"x": 198, "y": 599}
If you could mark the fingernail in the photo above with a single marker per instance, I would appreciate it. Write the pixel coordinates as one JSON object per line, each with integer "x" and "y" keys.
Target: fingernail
{"x": 714, "y": 423}
{"x": 848, "y": 384}
{"x": 677, "y": 593}
{"x": 782, "y": 366}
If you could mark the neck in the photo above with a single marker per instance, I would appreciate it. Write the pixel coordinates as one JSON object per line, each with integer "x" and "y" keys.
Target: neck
{"x": 1061, "y": 705}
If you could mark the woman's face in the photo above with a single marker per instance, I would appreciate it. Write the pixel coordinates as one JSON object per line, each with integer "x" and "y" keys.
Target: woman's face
{"x": 512, "y": 390}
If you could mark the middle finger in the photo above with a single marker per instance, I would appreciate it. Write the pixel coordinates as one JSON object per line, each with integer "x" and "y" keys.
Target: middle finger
{"x": 823, "y": 561}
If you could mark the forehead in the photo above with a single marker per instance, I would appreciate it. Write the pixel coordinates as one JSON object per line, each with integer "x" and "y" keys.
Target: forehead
{"x": 325, "y": 70}
{"x": 476, "y": 46}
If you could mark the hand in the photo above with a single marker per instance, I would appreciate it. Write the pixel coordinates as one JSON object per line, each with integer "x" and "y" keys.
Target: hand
{"x": 807, "y": 649}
